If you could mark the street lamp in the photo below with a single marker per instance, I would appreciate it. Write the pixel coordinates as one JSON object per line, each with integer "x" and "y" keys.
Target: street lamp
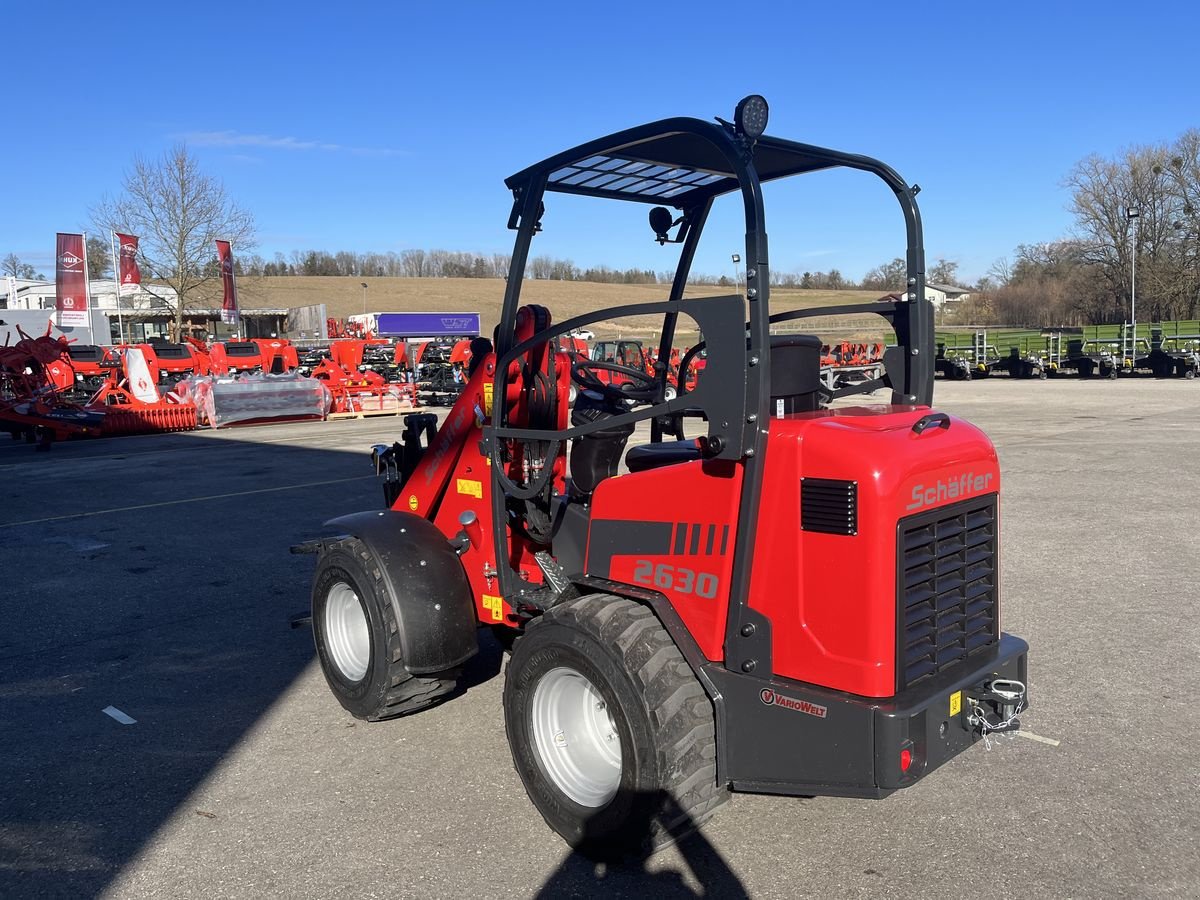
{"x": 1132, "y": 214}
{"x": 736, "y": 278}
{"x": 363, "y": 284}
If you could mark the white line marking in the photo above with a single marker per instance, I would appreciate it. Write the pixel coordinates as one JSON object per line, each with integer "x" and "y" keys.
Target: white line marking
{"x": 119, "y": 716}
{"x": 105, "y": 512}
{"x": 1037, "y": 737}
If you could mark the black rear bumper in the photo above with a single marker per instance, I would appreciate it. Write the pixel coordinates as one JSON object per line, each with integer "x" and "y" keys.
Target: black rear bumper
{"x": 929, "y": 722}
{"x": 786, "y": 737}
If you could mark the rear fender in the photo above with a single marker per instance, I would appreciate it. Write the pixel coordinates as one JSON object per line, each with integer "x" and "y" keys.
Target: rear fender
{"x": 426, "y": 585}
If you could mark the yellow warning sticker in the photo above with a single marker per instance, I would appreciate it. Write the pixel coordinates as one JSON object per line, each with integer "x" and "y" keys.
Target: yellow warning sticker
{"x": 496, "y": 605}
{"x": 412, "y": 502}
{"x": 955, "y": 703}
{"x": 488, "y": 392}
{"x": 470, "y": 488}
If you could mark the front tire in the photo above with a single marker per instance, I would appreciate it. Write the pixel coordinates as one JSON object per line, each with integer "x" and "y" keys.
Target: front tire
{"x": 358, "y": 640}
{"x": 610, "y": 731}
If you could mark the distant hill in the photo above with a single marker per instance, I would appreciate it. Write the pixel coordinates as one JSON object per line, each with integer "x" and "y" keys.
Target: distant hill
{"x": 344, "y": 297}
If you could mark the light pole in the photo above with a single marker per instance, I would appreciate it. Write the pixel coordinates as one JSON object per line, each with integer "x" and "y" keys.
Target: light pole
{"x": 1132, "y": 214}
{"x": 737, "y": 281}
{"x": 363, "y": 284}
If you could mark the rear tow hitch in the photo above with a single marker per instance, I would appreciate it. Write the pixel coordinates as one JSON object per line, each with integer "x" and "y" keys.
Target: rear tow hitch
{"x": 993, "y": 708}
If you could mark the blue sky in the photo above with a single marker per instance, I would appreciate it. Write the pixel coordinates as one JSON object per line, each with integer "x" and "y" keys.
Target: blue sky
{"x": 386, "y": 126}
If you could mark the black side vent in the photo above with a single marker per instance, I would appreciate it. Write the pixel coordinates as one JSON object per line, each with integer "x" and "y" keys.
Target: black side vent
{"x": 829, "y": 506}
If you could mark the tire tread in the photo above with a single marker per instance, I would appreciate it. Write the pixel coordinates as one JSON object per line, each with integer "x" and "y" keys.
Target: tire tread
{"x": 406, "y": 693}
{"x": 680, "y": 712}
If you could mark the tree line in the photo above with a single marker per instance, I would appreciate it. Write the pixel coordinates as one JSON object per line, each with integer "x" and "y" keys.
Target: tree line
{"x": 460, "y": 264}
{"x": 1139, "y": 209}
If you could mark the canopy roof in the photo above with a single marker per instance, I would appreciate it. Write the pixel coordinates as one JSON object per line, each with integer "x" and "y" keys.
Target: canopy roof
{"x": 678, "y": 162}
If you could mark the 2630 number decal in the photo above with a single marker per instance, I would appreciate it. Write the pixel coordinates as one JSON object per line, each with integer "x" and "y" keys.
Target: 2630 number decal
{"x": 679, "y": 579}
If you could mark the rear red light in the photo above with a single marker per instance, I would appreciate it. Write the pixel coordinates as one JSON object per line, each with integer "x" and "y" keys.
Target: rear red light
{"x": 905, "y": 759}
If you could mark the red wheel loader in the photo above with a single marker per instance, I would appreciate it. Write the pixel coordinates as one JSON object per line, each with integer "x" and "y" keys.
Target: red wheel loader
{"x": 687, "y": 628}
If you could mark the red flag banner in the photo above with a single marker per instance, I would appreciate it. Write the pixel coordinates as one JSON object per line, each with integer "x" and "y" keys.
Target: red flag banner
{"x": 70, "y": 280}
{"x": 130, "y": 274}
{"x": 229, "y": 303}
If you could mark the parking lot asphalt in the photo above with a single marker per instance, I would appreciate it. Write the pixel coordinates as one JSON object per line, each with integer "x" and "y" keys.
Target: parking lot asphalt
{"x": 151, "y": 576}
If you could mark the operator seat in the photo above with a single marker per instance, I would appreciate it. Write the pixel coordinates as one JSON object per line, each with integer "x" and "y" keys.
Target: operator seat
{"x": 596, "y": 455}
{"x": 795, "y": 383}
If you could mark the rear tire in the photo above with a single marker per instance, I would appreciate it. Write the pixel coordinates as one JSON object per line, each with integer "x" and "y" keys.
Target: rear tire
{"x": 610, "y": 731}
{"x": 358, "y": 640}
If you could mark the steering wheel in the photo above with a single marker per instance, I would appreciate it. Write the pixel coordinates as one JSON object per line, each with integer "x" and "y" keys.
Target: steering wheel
{"x": 644, "y": 387}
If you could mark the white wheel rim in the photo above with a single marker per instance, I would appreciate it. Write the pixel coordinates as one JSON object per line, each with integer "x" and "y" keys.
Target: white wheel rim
{"x": 669, "y": 393}
{"x": 347, "y": 634}
{"x": 575, "y": 738}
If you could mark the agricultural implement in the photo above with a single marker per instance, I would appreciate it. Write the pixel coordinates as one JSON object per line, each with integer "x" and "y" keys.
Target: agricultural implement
{"x": 685, "y": 628}
{"x": 232, "y": 357}
{"x": 50, "y": 390}
{"x": 850, "y": 363}
{"x": 277, "y": 356}
{"x": 1175, "y": 349}
{"x": 359, "y": 392}
{"x": 256, "y": 398}
{"x": 1020, "y": 353}
{"x": 168, "y": 363}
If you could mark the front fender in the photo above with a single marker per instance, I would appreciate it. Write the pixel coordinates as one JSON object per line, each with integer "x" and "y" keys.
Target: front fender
{"x": 426, "y": 584}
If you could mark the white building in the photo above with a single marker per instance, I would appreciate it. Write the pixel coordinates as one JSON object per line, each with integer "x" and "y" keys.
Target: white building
{"x": 942, "y": 294}
{"x": 20, "y": 293}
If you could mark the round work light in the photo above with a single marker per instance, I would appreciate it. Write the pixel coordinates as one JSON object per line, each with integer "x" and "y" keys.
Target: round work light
{"x": 750, "y": 117}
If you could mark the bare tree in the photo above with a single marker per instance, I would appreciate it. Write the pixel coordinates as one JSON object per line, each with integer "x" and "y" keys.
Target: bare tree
{"x": 12, "y": 265}
{"x": 890, "y": 276}
{"x": 944, "y": 271}
{"x": 412, "y": 263}
{"x": 178, "y": 212}
{"x": 99, "y": 257}
{"x": 1000, "y": 272}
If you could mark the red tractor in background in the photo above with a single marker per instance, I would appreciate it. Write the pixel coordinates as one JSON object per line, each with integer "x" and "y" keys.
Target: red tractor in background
{"x": 686, "y": 629}
{"x": 631, "y": 354}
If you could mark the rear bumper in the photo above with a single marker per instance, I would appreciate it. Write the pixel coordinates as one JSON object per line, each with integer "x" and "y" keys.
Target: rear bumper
{"x": 931, "y": 720}
{"x": 786, "y": 737}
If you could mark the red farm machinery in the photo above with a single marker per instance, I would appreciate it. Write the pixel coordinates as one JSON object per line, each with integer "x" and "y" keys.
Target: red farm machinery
{"x": 685, "y": 629}
{"x": 51, "y": 390}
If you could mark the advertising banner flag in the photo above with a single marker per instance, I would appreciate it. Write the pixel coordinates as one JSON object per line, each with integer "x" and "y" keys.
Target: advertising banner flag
{"x": 128, "y": 272}
{"x": 70, "y": 280}
{"x": 229, "y": 303}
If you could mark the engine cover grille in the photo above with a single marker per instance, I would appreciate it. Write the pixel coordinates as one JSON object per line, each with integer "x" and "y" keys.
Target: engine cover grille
{"x": 947, "y": 587}
{"x": 829, "y": 506}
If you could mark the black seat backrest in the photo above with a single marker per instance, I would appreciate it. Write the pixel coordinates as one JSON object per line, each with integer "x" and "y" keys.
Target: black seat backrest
{"x": 795, "y": 373}
{"x": 597, "y": 455}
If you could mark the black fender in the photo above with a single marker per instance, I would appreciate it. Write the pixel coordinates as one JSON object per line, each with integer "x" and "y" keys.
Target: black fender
{"x": 428, "y": 589}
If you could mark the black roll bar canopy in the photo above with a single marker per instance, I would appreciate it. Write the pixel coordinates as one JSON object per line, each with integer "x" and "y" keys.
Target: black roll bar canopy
{"x": 686, "y": 163}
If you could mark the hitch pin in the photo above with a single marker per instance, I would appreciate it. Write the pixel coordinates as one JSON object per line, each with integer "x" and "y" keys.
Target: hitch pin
{"x": 1007, "y": 689}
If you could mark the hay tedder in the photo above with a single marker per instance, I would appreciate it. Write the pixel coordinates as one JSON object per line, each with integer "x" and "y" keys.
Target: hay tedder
{"x": 686, "y": 627}
{"x": 50, "y": 390}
